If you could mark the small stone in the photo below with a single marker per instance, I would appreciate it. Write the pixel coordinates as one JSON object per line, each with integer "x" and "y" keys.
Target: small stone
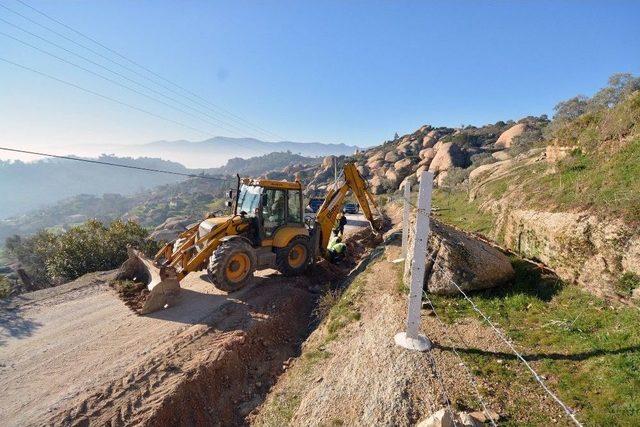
{"x": 493, "y": 414}
{"x": 319, "y": 379}
{"x": 480, "y": 416}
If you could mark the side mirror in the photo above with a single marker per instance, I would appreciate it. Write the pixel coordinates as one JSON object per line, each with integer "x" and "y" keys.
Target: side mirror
{"x": 230, "y": 194}
{"x": 229, "y": 203}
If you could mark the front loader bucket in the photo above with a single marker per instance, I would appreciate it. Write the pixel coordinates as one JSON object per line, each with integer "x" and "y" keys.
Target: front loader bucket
{"x": 162, "y": 282}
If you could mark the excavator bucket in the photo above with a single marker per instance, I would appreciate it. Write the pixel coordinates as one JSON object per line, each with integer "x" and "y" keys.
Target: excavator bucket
{"x": 162, "y": 282}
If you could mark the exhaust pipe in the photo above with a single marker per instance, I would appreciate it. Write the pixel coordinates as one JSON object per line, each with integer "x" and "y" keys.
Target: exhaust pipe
{"x": 162, "y": 282}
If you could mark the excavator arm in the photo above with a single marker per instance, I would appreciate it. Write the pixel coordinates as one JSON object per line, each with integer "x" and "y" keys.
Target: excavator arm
{"x": 334, "y": 201}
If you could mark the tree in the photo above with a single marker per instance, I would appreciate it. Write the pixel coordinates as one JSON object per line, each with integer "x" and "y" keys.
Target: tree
{"x": 571, "y": 108}
{"x": 396, "y": 136}
{"x": 53, "y": 258}
{"x": 620, "y": 85}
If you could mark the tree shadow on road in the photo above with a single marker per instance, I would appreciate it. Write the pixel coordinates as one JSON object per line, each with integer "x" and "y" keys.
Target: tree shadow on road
{"x": 13, "y": 324}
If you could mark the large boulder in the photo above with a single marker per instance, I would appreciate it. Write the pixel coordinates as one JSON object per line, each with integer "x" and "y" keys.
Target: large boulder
{"x": 427, "y": 153}
{"x": 506, "y": 138}
{"x": 403, "y": 167}
{"x": 393, "y": 177}
{"x": 327, "y": 162}
{"x": 455, "y": 256}
{"x": 501, "y": 155}
{"x": 375, "y": 164}
{"x": 405, "y": 148}
{"x": 447, "y": 156}
{"x": 429, "y": 140}
{"x": 376, "y": 185}
{"x": 411, "y": 180}
{"x": 391, "y": 157}
{"x": 555, "y": 153}
{"x": 379, "y": 155}
{"x": 363, "y": 170}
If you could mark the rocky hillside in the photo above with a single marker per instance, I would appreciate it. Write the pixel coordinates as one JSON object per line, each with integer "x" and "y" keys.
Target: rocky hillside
{"x": 565, "y": 191}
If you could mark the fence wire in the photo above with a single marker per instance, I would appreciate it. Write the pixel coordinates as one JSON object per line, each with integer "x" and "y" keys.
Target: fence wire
{"x": 455, "y": 350}
{"x": 507, "y": 341}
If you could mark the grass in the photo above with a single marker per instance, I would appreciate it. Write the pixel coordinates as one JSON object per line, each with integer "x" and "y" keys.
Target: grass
{"x": 588, "y": 350}
{"x": 455, "y": 208}
{"x": 346, "y": 309}
{"x": 627, "y": 283}
{"x": 605, "y": 182}
{"x": 5, "y": 287}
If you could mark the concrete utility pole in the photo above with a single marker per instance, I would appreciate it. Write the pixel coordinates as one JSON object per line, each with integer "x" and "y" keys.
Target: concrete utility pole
{"x": 405, "y": 219}
{"x": 412, "y": 339}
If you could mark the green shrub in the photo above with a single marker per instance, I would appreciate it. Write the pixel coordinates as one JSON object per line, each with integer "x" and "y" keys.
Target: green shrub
{"x": 50, "y": 258}
{"x": 455, "y": 177}
{"x": 627, "y": 283}
{"x": 5, "y": 287}
{"x": 481, "y": 159}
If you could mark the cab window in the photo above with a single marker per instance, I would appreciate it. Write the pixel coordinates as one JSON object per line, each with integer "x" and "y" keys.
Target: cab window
{"x": 273, "y": 210}
{"x": 295, "y": 212}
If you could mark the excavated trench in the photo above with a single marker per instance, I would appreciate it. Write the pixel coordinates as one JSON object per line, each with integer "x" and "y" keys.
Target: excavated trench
{"x": 236, "y": 378}
{"x": 216, "y": 371}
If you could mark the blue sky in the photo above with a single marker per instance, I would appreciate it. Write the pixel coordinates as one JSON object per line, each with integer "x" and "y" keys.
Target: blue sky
{"x": 330, "y": 71}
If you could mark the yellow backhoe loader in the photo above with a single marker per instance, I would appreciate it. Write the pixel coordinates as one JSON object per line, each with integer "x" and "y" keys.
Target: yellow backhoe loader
{"x": 266, "y": 230}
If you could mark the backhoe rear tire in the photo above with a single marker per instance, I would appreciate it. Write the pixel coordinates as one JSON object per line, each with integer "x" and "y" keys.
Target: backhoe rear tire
{"x": 293, "y": 259}
{"x": 232, "y": 265}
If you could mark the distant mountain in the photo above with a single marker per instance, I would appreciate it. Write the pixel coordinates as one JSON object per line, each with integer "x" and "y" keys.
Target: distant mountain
{"x": 64, "y": 193}
{"x": 27, "y": 186}
{"x": 217, "y": 151}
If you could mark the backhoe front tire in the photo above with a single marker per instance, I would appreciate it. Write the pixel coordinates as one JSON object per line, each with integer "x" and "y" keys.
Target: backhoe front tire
{"x": 293, "y": 259}
{"x": 232, "y": 265}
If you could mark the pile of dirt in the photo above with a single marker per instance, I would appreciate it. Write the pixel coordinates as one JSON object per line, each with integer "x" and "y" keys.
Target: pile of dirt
{"x": 133, "y": 294}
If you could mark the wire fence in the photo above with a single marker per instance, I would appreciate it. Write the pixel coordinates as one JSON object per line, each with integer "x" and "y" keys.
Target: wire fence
{"x": 100, "y": 162}
{"x": 438, "y": 377}
{"x": 472, "y": 379}
{"x": 570, "y": 413}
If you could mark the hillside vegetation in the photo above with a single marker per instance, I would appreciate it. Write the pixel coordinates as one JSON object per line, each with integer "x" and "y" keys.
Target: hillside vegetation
{"x": 50, "y": 259}
{"x": 47, "y": 181}
{"x": 151, "y": 207}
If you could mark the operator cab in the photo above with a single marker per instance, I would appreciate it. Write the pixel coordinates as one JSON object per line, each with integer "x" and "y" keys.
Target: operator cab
{"x": 271, "y": 204}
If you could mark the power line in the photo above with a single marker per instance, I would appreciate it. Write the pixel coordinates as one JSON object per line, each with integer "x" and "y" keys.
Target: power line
{"x": 121, "y": 102}
{"x": 99, "y": 162}
{"x": 117, "y": 101}
{"x": 500, "y": 335}
{"x": 225, "y": 112}
{"x": 220, "y": 123}
{"x": 108, "y": 79}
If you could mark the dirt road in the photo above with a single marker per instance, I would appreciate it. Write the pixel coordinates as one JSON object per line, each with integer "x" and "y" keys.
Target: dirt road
{"x": 66, "y": 351}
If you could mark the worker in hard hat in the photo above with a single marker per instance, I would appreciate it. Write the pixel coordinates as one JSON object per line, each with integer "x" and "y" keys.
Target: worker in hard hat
{"x": 336, "y": 249}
